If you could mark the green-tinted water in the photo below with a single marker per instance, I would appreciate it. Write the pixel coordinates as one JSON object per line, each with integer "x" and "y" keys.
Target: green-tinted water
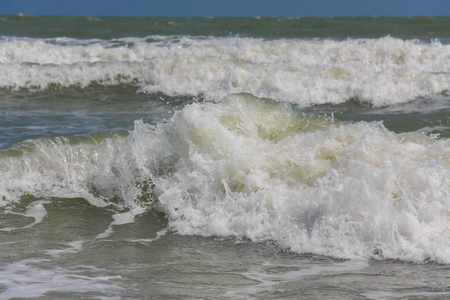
{"x": 425, "y": 28}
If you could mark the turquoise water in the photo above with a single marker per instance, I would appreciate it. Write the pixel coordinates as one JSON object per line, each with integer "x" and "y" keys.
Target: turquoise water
{"x": 255, "y": 158}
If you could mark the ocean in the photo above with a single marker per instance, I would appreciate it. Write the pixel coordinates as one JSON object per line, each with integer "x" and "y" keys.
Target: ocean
{"x": 224, "y": 158}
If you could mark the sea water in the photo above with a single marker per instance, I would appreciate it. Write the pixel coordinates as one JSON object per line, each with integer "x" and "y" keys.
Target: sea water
{"x": 155, "y": 158}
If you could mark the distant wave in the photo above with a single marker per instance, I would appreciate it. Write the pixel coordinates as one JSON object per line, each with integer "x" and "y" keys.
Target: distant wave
{"x": 379, "y": 72}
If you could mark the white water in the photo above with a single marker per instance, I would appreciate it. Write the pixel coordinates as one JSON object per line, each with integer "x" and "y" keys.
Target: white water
{"x": 258, "y": 169}
{"x": 380, "y": 72}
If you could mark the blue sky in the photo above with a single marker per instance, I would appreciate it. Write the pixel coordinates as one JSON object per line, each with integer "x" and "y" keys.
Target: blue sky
{"x": 227, "y": 8}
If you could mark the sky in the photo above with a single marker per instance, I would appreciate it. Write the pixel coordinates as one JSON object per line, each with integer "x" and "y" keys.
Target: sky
{"x": 227, "y": 8}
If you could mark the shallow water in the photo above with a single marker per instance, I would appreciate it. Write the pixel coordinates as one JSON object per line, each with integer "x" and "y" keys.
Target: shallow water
{"x": 142, "y": 259}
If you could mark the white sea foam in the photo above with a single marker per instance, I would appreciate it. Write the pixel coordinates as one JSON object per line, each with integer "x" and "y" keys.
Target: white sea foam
{"x": 120, "y": 219}
{"x": 159, "y": 234}
{"x": 75, "y": 247}
{"x": 377, "y": 71}
{"x": 259, "y": 169}
{"x": 35, "y": 210}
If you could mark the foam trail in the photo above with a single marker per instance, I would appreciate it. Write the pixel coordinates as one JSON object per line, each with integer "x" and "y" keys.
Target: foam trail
{"x": 75, "y": 247}
{"x": 35, "y": 210}
{"x": 120, "y": 219}
{"x": 159, "y": 234}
